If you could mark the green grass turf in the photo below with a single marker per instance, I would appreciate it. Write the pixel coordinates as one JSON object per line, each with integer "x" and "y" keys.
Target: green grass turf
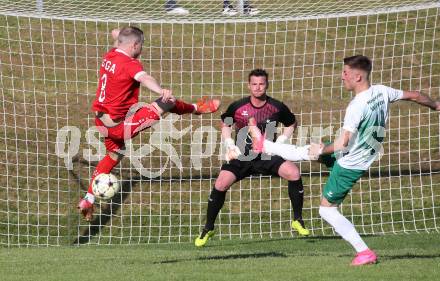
{"x": 402, "y": 257}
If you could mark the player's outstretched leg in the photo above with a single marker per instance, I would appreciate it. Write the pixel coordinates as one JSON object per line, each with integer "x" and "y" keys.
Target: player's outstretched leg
{"x": 85, "y": 205}
{"x": 180, "y": 107}
{"x": 287, "y": 151}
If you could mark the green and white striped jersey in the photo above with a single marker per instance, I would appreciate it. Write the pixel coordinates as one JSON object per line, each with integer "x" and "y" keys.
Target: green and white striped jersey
{"x": 366, "y": 118}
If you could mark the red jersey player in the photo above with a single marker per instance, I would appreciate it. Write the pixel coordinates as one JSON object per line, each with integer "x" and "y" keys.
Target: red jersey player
{"x": 116, "y": 105}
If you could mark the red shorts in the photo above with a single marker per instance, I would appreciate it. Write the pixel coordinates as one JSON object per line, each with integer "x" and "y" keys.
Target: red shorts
{"x": 115, "y": 137}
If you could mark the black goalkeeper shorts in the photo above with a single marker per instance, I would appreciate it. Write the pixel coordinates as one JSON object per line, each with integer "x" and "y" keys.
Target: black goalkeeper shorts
{"x": 242, "y": 169}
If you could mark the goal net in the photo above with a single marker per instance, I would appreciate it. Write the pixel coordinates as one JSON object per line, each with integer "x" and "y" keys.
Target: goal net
{"x": 50, "y": 53}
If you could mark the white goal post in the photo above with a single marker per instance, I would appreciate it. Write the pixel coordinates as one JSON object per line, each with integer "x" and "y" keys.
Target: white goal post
{"x": 50, "y": 53}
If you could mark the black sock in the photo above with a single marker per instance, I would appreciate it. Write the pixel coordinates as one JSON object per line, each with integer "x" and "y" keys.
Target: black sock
{"x": 165, "y": 106}
{"x": 215, "y": 203}
{"x": 296, "y": 195}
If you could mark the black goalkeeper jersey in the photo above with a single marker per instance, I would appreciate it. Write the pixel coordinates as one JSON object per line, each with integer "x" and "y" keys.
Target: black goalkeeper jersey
{"x": 267, "y": 116}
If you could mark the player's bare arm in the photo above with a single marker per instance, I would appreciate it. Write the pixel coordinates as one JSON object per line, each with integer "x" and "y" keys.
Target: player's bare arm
{"x": 151, "y": 83}
{"x": 341, "y": 143}
{"x": 421, "y": 99}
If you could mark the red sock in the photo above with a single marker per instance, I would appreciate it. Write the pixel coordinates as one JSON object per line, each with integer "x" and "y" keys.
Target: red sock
{"x": 182, "y": 107}
{"x": 104, "y": 166}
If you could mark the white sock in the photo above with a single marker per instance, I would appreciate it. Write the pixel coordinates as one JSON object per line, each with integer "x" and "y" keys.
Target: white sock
{"x": 287, "y": 151}
{"x": 195, "y": 107}
{"x": 343, "y": 227}
{"x": 90, "y": 197}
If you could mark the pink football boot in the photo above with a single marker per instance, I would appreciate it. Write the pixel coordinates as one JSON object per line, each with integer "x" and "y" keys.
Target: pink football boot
{"x": 364, "y": 257}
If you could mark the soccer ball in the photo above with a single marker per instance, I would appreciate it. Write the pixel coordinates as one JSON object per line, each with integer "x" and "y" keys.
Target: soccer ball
{"x": 105, "y": 186}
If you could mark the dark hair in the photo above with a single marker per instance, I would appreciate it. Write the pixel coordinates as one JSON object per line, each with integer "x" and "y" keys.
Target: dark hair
{"x": 359, "y": 62}
{"x": 131, "y": 33}
{"x": 258, "y": 72}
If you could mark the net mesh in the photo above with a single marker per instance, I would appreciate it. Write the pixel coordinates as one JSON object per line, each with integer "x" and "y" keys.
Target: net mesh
{"x": 49, "y": 62}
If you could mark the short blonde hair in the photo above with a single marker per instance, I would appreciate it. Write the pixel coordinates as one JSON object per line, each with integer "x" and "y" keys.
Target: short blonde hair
{"x": 130, "y": 33}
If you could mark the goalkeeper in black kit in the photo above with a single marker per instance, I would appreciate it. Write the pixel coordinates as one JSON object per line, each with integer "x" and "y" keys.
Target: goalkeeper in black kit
{"x": 242, "y": 162}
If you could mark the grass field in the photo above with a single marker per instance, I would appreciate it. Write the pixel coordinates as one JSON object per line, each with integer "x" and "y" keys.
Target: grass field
{"x": 401, "y": 257}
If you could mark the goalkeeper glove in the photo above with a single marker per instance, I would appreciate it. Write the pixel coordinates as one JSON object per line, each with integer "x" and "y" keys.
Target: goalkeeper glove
{"x": 232, "y": 151}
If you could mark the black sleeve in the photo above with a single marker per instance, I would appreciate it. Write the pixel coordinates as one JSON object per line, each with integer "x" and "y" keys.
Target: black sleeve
{"x": 287, "y": 118}
{"x": 228, "y": 116}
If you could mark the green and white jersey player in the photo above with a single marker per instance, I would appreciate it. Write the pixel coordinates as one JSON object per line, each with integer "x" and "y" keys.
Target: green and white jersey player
{"x": 357, "y": 147}
{"x": 365, "y": 119}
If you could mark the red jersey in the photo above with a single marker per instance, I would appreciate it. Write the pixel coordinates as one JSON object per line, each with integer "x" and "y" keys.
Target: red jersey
{"x": 118, "y": 89}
